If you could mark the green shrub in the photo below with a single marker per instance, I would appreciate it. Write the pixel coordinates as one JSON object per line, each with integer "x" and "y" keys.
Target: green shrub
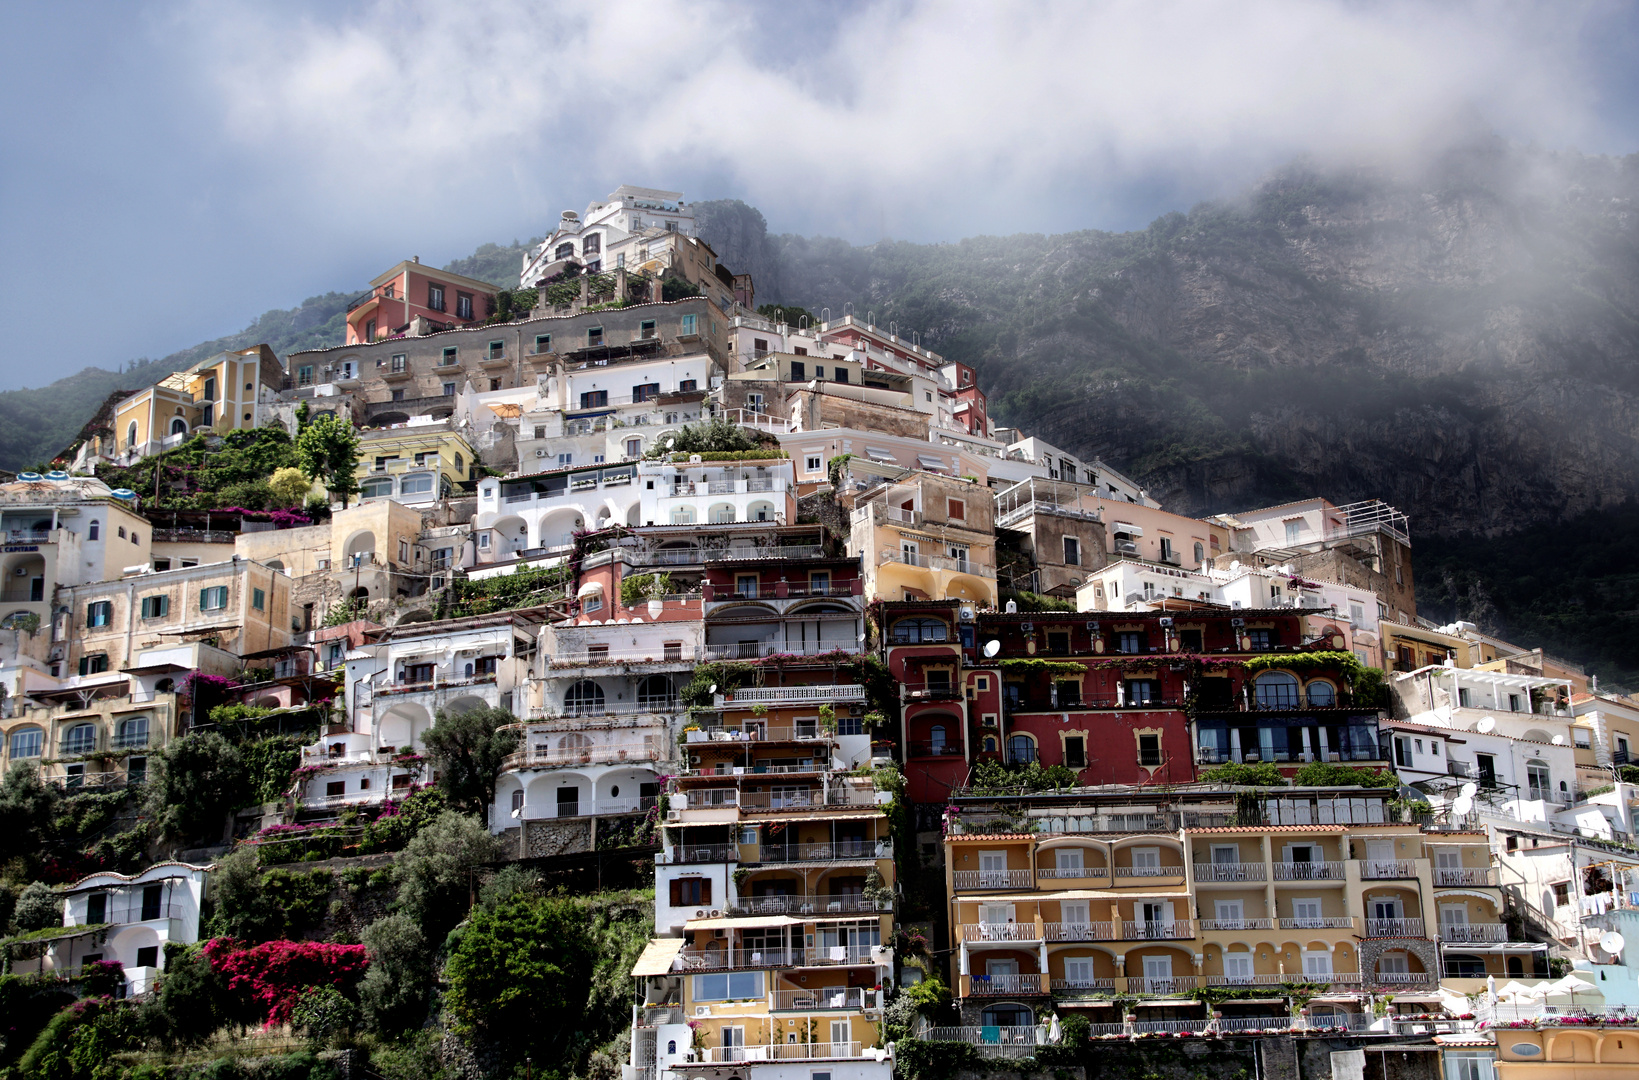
{"x": 1331, "y": 774}
{"x": 1239, "y": 774}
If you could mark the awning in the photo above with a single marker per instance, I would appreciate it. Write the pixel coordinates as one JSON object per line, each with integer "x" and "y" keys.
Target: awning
{"x": 1255, "y": 1001}
{"x": 155, "y": 669}
{"x": 1419, "y": 997}
{"x": 591, "y": 588}
{"x": 879, "y": 454}
{"x": 750, "y": 922}
{"x": 1130, "y": 530}
{"x": 866, "y": 812}
{"x": 1337, "y": 999}
{"x": 927, "y": 461}
{"x": 658, "y": 956}
{"x": 1169, "y": 1003}
{"x": 1077, "y": 894}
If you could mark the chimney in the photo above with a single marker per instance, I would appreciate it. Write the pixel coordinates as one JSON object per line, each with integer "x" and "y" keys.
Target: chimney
{"x": 415, "y": 258}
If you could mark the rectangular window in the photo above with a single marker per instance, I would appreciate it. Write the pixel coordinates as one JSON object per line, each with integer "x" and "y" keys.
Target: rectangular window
{"x": 840, "y": 374}
{"x": 594, "y": 337}
{"x": 594, "y": 399}
{"x": 1129, "y": 641}
{"x": 1075, "y": 752}
{"x": 449, "y": 389}
{"x": 687, "y": 386}
{"x": 435, "y": 297}
{"x": 1149, "y": 752}
{"x": 449, "y": 356}
{"x": 304, "y": 375}
{"x": 543, "y": 343}
{"x": 686, "y": 328}
{"x": 1143, "y": 692}
{"x": 1072, "y": 551}
{"x": 799, "y": 371}
{"x": 956, "y": 509}
{"x": 692, "y": 890}
{"x": 400, "y": 360}
{"x": 645, "y": 330}
{"x": 463, "y": 305}
{"x": 819, "y": 372}
{"x": 155, "y": 607}
{"x": 1294, "y": 531}
{"x": 99, "y": 613}
{"x": 729, "y": 986}
{"x": 214, "y": 598}
{"x": 1260, "y": 639}
{"x": 814, "y": 463}
{"x": 94, "y": 664}
{"x": 258, "y": 599}
{"x": 645, "y": 392}
{"x": 497, "y": 350}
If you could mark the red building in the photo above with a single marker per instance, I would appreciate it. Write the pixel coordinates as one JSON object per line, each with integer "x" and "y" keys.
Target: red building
{"x": 1105, "y": 693}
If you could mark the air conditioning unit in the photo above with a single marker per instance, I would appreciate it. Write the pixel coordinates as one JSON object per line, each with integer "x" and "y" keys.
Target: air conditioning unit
{"x": 540, "y": 453}
{"x": 1237, "y": 622}
{"x": 1028, "y": 627}
{"x": 694, "y": 459}
{"x": 967, "y": 614}
{"x": 716, "y": 913}
{"x": 1165, "y": 620}
{"x": 702, "y": 1010}
{"x": 699, "y": 913}
{"x": 1092, "y": 626}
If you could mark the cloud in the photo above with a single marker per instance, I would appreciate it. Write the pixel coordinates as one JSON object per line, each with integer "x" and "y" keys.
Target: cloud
{"x": 939, "y": 118}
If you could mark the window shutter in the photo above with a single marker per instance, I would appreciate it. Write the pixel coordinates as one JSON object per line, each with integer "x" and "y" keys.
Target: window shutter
{"x": 677, "y": 893}
{"x": 705, "y": 891}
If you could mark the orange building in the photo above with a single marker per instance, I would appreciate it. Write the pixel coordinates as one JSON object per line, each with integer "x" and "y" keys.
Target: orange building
{"x": 409, "y": 291}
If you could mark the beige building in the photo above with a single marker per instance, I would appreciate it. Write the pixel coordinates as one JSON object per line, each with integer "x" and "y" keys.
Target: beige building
{"x": 223, "y": 393}
{"x": 238, "y": 606}
{"x": 926, "y": 537}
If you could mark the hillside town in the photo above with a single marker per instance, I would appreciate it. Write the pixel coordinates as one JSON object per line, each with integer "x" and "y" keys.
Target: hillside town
{"x": 948, "y": 750}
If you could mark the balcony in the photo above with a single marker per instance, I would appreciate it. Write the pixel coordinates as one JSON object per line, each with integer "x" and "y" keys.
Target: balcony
{"x": 1394, "y": 928}
{"x": 1237, "y": 924}
{"x": 841, "y": 851}
{"x": 1387, "y": 869}
{"x": 1238, "y": 871}
{"x": 1146, "y": 872}
{"x": 991, "y": 880}
{"x": 1323, "y": 922}
{"x": 1473, "y": 933}
{"x": 830, "y": 998}
{"x": 1157, "y": 930}
{"x": 701, "y": 853}
{"x": 1079, "y": 931}
{"x": 809, "y": 1051}
{"x": 838, "y": 956}
{"x": 1074, "y": 873}
{"x": 121, "y": 912}
{"x": 1000, "y": 985}
{"x": 939, "y": 749}
{"x": 752, "y": 553}
{"x": 131, "y": 740}
{"x": 759, "y": 650}
{"x": 1167, "y": 984}
{"x": 1465, "y": 875}
{"x": 938, "y": 562}
{"x": 1403, "y": 979}
{"x": 1309, "y": 871}
{"x": 808, "y": 905}
{"x": 1083, "y": 987}
{"x": 793, "y": 695}
{"x": 988, "y": 931}
{"x": 992, "y": 1041}
{"x": 738, "y": 956}
{"x": 540, "y": 757}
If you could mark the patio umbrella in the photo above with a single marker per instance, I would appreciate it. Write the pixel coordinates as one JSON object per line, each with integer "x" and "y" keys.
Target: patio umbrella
{"x": 1572, "y": 985}
{"x": 1054, "y": 1032}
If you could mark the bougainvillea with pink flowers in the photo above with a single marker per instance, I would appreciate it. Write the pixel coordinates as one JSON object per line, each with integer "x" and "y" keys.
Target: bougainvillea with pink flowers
{"x": 275, "y": 974}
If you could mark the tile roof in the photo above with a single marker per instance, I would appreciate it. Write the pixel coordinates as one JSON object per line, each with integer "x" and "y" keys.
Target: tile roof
{"x": 1266, "y": 828}
{"x": 994, "y": 836}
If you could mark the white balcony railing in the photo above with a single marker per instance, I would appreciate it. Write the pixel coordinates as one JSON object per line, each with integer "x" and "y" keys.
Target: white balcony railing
{"x": 1157, "y": 929}
{"x": 809, "y": 1051}
{"x": 1394, "y": 927}
{"x": 829, "y": 997}
{"x": 992, "y": 879}
{"x": 1074, "y": 873}
{"x": 1237, "y": 924}
{"x": 1319, "y": 922}
{"x": 1464, "y": 875}
{"x": 938, "y": 562}
{"x": 1079, "y": 931}
{"x": 986, "y": 931}
{"x": 1235, "y": 871}
{"x": 1385, "y": 869}
{"x": 1309, "y": 871}
{"x": 1474, "y": 933}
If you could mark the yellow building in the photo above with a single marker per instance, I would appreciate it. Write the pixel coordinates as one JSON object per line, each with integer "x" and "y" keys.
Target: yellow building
{"x": 927, "y": 537}
{"x": 222, "y": 393}
{"x": 414, "y": 465}
{"x": 1084, "y": 904}
{"x": 774, "y": 893}
{"x": 241, "y": 607}
{"x": 1578, "y": 1050}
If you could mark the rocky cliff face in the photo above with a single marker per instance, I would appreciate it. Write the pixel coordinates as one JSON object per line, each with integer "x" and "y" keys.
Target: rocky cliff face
{"x": 1463, "y": 342}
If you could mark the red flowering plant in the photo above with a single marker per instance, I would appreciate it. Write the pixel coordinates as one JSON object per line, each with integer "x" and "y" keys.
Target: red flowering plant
{"x": 273, "y": 976}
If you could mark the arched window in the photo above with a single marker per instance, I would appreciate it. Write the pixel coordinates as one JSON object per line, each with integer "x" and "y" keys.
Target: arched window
{"x": 179, "y": 426}
{"x": 460, "y": 463}
{"x": 27, "y": 742}
{"x": 518, "y": 800}
{"x": 722, "y": 514}
{"x": 80, "y": 739}
{"x": 1277, "y": 690}
{"x": 1322, "y": 694}
{"x": 585, "y": 698}
{"x": 1021, "y": 749}
{"x": 1200, "y": 554}
{"x": 671, "y": 1046}
{"x": 418, "y": 484}
{"x": 131, "y": 435}
{"x": 912, "y": 631}
{"x": 93, "y": 531}
{"x": 683, "y": 515}
{"x": 132, "y": 732}
{"x": 1237, "y": 964}
{"x": 565, "y": 251}
{"x": 656, "y": 693}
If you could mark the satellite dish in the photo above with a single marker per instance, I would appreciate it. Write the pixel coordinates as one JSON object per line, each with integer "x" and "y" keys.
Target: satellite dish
{"x": 1486, "y": 724}
{"x": 1468, "y": 790}
{"x": 992, "y": 647}
{"x": 713, "y": 689}
{"x": 1559, "y": 740}
{"x": 1613, "y": 942}
{"x": 1461, "y": 805}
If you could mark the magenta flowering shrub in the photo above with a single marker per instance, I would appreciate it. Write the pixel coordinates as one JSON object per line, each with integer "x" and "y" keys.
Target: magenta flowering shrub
{"x": 275, "y": 974}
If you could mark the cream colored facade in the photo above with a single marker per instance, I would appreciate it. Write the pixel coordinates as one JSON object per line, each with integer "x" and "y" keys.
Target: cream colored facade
{"x": 414, "y": 464}
{"x": 241, "y": 607}
{"x": 927, "y": 537}
{"x": 224, "y": 393}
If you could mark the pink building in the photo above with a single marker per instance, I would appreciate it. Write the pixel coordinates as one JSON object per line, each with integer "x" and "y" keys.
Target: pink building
{"x": 409, "y": 291}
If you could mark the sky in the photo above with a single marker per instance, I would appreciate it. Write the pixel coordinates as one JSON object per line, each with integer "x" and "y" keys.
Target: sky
{"x": 170, "y": 170}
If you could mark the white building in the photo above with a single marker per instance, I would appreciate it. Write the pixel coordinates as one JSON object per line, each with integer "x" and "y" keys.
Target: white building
{"x": 622, "y": 225}
{"x": 125, "y": 918}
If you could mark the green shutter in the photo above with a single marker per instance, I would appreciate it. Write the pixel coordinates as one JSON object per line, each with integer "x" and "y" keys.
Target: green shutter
{"x": 204, "y": 599}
